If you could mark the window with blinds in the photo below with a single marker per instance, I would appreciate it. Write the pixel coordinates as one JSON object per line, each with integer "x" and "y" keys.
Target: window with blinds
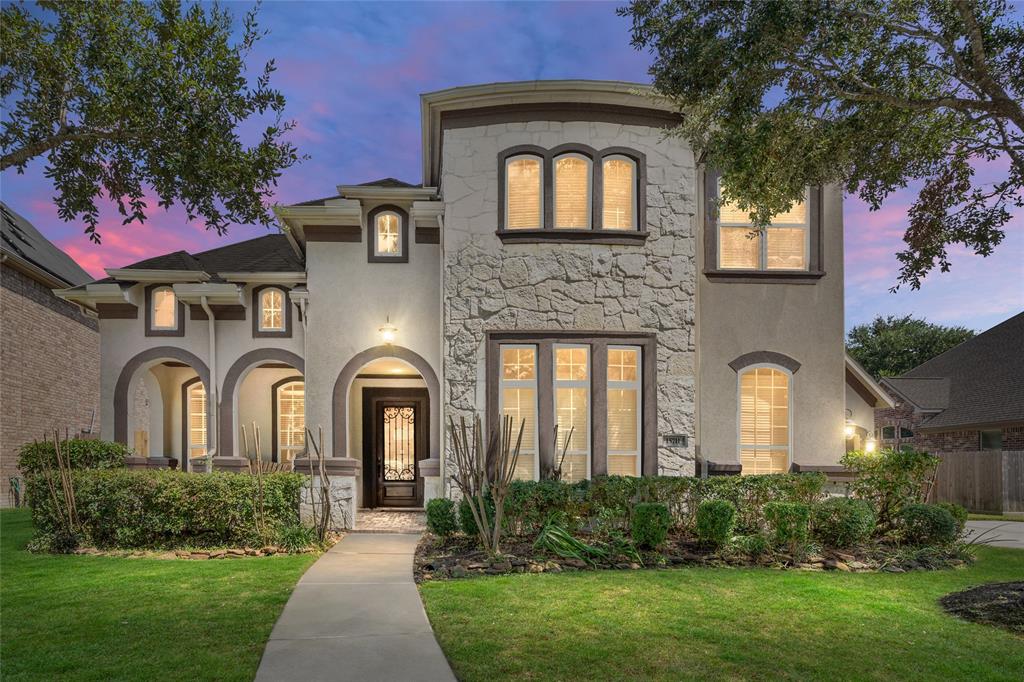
{"x": 624, "y": 410}
{"x": 291, "y": 420}
{"x": 764, "y": 421}
{"x": 619, "y": 193}
{"x": 572, "y": 410}
{"x": 196, "y": 421}
{"x": 783, "y": 245}
{"x": 572, "y": 192}
{"x": 165, "y": 309}
{"x": 271, "y": 310}
{"x": 523, "y": 195}
{"x": 388, "y": 239}
{"x": 517, "y": 396}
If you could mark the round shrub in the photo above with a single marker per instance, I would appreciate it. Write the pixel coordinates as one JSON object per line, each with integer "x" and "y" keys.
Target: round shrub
{"x": 959, "y": 515}
{"x": 715, "y": 519}
{"x": 788, "y": 522}
{"x": 34, "y": 458}
{"x": 754, "y": 546}
{"x": 466, "y": 521}
{"x": 928, "y": 524}
{"x": 441, "y": 517}
{"x": 650, "y": 524}
{"x": 843, "y": 522}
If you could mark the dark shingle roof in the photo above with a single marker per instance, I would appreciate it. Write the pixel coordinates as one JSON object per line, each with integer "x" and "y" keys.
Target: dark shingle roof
{"x": 389, "y": 182}
{"x": 929, "y": 393}
{"x": 22, "y": 239}
{"x": 269, "y": 253}
{"x": 317, "y": 202}
{"x": 985, "y": 375}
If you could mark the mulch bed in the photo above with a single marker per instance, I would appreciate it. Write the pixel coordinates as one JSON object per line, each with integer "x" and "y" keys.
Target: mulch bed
{"x": 998, "y": 604}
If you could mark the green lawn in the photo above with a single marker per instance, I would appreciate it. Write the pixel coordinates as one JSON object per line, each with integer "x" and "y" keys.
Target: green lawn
{"x": 723, "y": 624}
{"x": 100, "y": 618}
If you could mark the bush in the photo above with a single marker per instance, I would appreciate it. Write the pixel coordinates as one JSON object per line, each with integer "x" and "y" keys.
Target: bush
{"x": 530, "y": 504}
{"x": 715, "y": 519}
{"x": 928, "y": 524}
{"x": 33, "y": 458}
{"x": 889, "y": 480}
{"x": 296, "y": 537}
{"x": 842, "y": 522}
{"x": 754, "y": 546}
{"x": 959, "y": 515}
{"x": 441, "y": 517}
{"x": 129, "y": 509}
{"x": 650, "y": 524}
{"x": 750, "y": 494}
{"x": 466, "y": 521}
{"x": 788, "y": 522}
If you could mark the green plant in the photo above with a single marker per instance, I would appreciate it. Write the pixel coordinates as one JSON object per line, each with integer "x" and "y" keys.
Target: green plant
{"x": 467, "y": 522}
{"x": 788, "y": 522}
{"x": 530, "y": 503}
{"x": 441, "y": 517}
{"x": 842, "y": 522}
{"x": 890, "y": 479}
{"x": 296, "y": 537}
{"x": 715, "y": 520}
{"x": 650, "y": 524}
{"x": 80, "y": 453}
{"x": 556, "y": 539}
{"x": 927, "y": 524}
{"x": 959, "y": 515}
{"x": 755, "y": 545}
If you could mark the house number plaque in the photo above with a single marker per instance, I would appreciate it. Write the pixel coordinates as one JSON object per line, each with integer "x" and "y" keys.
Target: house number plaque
{"x": 675, "y": 440}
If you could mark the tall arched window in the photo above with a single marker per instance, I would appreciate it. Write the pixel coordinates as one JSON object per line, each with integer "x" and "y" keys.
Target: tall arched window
{"x": 619, "y": 193}
{"x": 195, "y": 421}
{"x": 524, "y": 200}
{"x": 272, "y": 317}
{"x": 572, "y": 192}
{"x": 388, "y": 234}
{"x": 765, "y": 419}
{"x": 291, "y": 420}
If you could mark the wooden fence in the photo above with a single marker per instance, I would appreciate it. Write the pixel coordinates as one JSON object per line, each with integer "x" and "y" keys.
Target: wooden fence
{"x": 985, "y": 481}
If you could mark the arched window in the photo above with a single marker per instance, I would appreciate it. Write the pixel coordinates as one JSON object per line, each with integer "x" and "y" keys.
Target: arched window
{"x": 164, "y": 308}
{"x": 619, "y": 193}
{"x": 572, "y": 192}
{"x": 290, "y": 400}
{"x": 765, "y": 419}
{"x": 195, "y": 421}
{"x": 272, "y": 311}
{"x": 524, "y": 200}
{"x": 388, "y": 234}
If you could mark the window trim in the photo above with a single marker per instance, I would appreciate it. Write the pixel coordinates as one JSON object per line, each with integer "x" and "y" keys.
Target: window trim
{"x": 585, "y": 384}
{"x": 981, "y": 440}
{"x": 186, "y": 415}
{"x": 179, "y": 313}
{"x": 815, "y": 257}
{"x": 637, "y": 385}
{"x": 789, "y": 412}
{"x": 591, "y": 195}
{"x": 598, "y": 341}
{"x": 503, "y": 383}
{"x": 275, "y": 410}
{"x": 635, "y": 204}
{"x": 403, "y": 231}
{"x": 259, "y": 310}
{"x": 257, "y": 313}
{"x": 507, "y": 156}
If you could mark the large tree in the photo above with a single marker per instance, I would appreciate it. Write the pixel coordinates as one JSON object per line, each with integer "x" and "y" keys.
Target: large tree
{"x": 890, "y": 346}
{"x": 871, "y": 94}
{"x": 122, "y": 96}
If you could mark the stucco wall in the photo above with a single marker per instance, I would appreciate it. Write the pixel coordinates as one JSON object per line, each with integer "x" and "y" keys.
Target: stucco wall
{"x": 803, "y": 321}
{"x": 490, "y": 286}
{"x": 256, "y": 404}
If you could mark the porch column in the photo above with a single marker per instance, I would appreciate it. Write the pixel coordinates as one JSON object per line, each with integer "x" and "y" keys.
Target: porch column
{"x": 341, "y": 474}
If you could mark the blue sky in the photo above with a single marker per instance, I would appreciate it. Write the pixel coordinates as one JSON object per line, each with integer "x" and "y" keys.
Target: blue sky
{"x": 352, "y": 73}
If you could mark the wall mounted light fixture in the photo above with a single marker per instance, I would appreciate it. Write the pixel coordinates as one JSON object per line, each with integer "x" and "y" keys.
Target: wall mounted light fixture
{"x": 388, "y": 331}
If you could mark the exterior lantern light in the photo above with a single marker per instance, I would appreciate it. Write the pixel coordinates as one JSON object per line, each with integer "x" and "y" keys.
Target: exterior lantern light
{"x": 849, "y": 430}
{"x": 870, "y": 444}
{"x": 388, "y": 331}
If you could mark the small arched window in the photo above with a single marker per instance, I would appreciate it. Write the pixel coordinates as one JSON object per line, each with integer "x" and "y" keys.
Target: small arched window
{"x": 619, "y": 198}
{"x": 164, "y": 308}
{"x": 291, "y": 420}
{"x": 387, "y": 240}
{"x": 765, "y": 441}
{"x": 272, "y": 310}
{"x": 524, "y": 199}
{"x": 572, "y": 192}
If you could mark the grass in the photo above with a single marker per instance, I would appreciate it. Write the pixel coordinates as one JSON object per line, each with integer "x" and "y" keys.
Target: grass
{"x": 696, "y": 623}
{"x": 992, "y": 517}
{"x": 103, "y": 618}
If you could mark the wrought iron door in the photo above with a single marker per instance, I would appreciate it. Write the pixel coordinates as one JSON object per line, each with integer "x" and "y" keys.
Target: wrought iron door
{"x": 398, "y": 454}
{"x": 399, "y": 442}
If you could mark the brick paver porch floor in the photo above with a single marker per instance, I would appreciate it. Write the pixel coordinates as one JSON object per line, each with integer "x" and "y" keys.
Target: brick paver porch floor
{"x": 390, "y": 521}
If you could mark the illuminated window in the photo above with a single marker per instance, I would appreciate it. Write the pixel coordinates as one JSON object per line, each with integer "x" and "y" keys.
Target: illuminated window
{"x": 764, "y": 420}
{"x": 164, "y": 309}
{"x": 624, "y": 410}
{"x": 388, "y": 239}
{"x": 517, "y": 396}
{"x": 572, "y": 410}
{"x": 196, "y": 398}
{"x": 523, "y": 195}
{"x": 272, "y": 311}
{"x": 572, "y": 192}
{"x": 291, "y": 420}
{"x": 783, "y": 245}
{"x": 619, "y": 190}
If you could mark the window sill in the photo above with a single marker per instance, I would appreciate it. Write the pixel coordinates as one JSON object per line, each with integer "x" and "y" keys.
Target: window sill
{"x": 621, "y": 237}
{"x": 763, "y": 276}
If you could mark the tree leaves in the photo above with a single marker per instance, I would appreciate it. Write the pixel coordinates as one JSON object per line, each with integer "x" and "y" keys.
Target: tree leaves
{"x": 890, "y": 346}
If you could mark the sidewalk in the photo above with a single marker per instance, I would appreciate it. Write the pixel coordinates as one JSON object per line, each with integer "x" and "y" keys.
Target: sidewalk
{"x": 356, "y": 615}
{"x": 999, "y": 533}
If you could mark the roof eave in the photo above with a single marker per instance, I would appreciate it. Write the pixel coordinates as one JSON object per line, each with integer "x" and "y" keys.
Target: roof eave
{"x": 147, "y": 275}
{"x": 869, "y": 383}
{"x": 268, "y": 277}
{"x": 386, "y": 193}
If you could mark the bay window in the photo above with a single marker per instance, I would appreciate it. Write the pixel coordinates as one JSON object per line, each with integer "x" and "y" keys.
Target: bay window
{"x": 764, "y": 420}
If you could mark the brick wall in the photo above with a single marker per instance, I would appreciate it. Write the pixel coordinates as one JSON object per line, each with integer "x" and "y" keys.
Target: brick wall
{"x": 1013, "y": 438}
{"x": 948, "y": 441}
{"x": 49, "y": 368}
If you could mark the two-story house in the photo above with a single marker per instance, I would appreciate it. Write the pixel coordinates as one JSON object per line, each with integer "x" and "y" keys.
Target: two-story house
{"x": 563, "y": 262}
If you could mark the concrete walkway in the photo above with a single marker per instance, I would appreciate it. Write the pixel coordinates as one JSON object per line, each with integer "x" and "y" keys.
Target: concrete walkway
{"x": 356, "y": 615}
{"x": 999, "y": 533}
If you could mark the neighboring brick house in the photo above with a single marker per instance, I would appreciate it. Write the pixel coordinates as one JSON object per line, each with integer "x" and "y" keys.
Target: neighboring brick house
{"x": 967, "y": 399}
{"x": 50, "y": 350}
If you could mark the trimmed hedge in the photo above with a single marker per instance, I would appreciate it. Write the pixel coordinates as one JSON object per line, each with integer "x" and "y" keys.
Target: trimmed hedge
{"x": 843, "y": 522}
{"x": 441, "y": 517}
{"x": 715, "y": 521}
{"x": 128, "y": 509}
{"x": 789, "y": 523}
{"x": 928, "y": 524}
{"x": 82, "y": 454}
{"x": 650, "y": 524}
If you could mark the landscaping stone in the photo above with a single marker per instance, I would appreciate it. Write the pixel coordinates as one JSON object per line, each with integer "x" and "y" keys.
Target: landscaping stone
{"x": 218, "y": 553}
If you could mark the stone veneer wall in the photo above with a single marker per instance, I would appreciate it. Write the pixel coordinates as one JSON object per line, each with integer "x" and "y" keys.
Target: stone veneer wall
{"x": 489, "y": 286}
{"x": 49, "y": 368}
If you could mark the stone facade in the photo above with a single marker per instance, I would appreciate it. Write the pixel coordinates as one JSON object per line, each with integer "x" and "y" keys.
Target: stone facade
{"x": 649, "y": 287}
{"x": 49, "y": 368}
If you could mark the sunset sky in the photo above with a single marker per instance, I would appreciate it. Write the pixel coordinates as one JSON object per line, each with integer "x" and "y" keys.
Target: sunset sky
{"x": 352, "y": 74}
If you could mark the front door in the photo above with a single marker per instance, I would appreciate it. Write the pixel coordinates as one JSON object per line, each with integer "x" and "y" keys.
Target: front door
{"x": 395, "y": 440}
